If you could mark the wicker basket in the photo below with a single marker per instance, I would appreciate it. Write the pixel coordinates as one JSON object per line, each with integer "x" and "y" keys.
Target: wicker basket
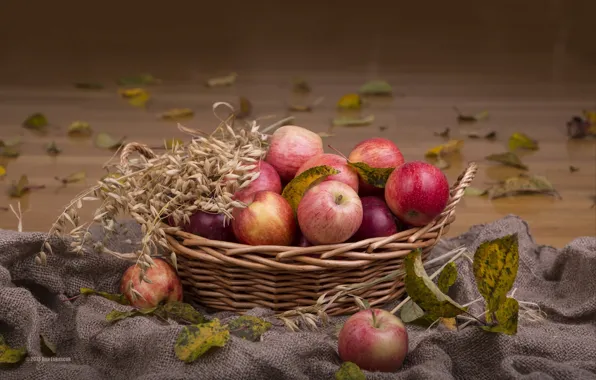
{"x": 238, "y": 277}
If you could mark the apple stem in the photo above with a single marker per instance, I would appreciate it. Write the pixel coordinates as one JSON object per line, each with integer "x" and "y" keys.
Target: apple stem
{"x": 337, "y": 151}
{"x": 374, "y": 318}
{"x": 339, "y": 198}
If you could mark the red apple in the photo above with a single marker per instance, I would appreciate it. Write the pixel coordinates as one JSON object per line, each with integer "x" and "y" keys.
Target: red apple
{"x": 209, "y": 225}
{"x": 301, "y": 240}
{"x": 346, "y": 174}
{"x": 329, "y": 213}
{"x": 417, "y": 192}
{"x": 376, "y": 152}
{"x": 375, "y": 340}
{"x": 377, "y": 220}
{"x": 268, "y": 180}
{"x": 267, "y": 220}
{"x": 165, "y": 285}
{"x": 291, "y": 146}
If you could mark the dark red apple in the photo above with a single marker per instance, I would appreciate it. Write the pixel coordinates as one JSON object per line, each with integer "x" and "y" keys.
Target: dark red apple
{"x": 165, "y": 285}
{"x": 417, "y": 192}
{"x": 301, "y": 241}
{"x": 208, "y": 225}
{"x": 268, "y": 180}
{"x": 377, "y": 219}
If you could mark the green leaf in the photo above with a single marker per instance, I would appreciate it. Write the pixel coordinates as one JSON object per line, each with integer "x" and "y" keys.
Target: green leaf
{"x": 52, "y": 149}
{"x": 349, "y": 371}
{"x": 248, "y": 327}
{"x": 80, "y": 129}
{"x": 297, "y": 187}
{"x": 117, "y": 315}
{"x": 119, "y": 298}
{"x": 507, "y": 317}
{"x": 474, "y": 191}
{"x": 520, "y": 140}
{"x": 182, "y": 312}
{"x": 138, "y": 80}
{"x": 507, "y": 158}
{"x": 36, "y": 121}
{"x": 411, "y": 312}
{"x": 344, "y": 121}
{"x": 9, "y": 355}
{"x": 376, "y": 177}
{"x": 195, "y": 340}
{"x": 88, "y": 85}
{"x": 105, "y": 141}
{"x": 47, "y": 348}
{"x": 425, "y": 293}
{"x": 447, "y": 277}
{"x": 376, "y": 87}
{"x": 495, "y": 268}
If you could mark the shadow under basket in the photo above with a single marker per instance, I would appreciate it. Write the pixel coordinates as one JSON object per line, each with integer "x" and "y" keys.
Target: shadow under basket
{"x": 238, "y": 277}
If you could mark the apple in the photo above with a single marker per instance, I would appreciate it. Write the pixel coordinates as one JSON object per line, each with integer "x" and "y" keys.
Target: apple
{"x": 268, "y": 180}
{"x": 165, "y": 285}
{"x": 210, "y": 226}
{"x": 329, "y": 213}
{"x": 268, "y": 219}
{"x": 291, "y": 146}
{"x": 377, "y": 219}
{"x": 301, "y": 240}
{"x": 375, "y": 340}
{"x": 346, "y": 174}
{"x": 417, "y": 192}
{"x": 376, "y": 152}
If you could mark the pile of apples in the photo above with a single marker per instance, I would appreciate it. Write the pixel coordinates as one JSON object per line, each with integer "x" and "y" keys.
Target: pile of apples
{"x": 342, "y": 207}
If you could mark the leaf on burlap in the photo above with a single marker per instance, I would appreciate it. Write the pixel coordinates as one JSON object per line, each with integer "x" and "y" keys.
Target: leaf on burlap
{"x": 46, "y": 347}
{"x": 245, "y": 109}
{"x": 9, "y": 355}
{"x": 412, "y": 313}
{"x": 523, "y": 184}
{"x": 447, "y": 277}
{"x": 495, "y": 268}
{"x": 301, "y": 86}
{"x": 350, "y": 102}
{"x": 465, "y": 118}
{"x": 424, "y": 292}
{"x": 491, "y": 135}
{"x": 119, "y": 298}
{"x": 79, "y": 129}
{"x": 376, "y": 177}
{"x": 449, "y": 323}
{"x": 344, "y": 121}
{"x": 249, "y": 327}
{"x": 376, "y": 88}
{"x": 89, "y": 85}
{"x": 349, "y": 371}
{"x": 521, "y": 140}
{"x": 106, "y": 141}
{"x": 138, "y": 80}
{"x": 9, "y": 152}
{"x": 445, "y": 133}
{"x": 72, "y": 178}
{"x": 52, "y": 149}
{"x": 117, "y": 315}
{"x": 295, "y": 189}
{"x": 177, "y": 114}
{"x": 36, "y": 121}
{"x": 507, "y": 316}
{"x": 195, "y": 340}
{"x": 507, "y": 158}
{"x": 474, "y": 191}
{"x": 450, "y": 147}
{"x": 223, "y": 81}
{"x": 182, "y": 312}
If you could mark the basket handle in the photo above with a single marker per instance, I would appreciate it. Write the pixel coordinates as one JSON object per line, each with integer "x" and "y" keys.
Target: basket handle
{"x": 133, "y": 147}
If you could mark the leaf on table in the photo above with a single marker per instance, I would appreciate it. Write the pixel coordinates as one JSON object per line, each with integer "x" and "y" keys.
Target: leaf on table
{"x": 507, "y": 316}
{"x": 46, "y": 347}
{"x": 305, "y": 107}
{"x": 495, "y": 269}
{"x": 73, "y": 178}
{"x": 425, "y": 293}
{"x": 89, "y": 85}
{"x": 447, "y": 277}
{"x": 9, "y": 152}
{"x": 376, "y": 177}
{"x": 350, "y": 102}
{"x": 445, "y": 133}
{"x": 106, "y": 141}
{"x": 466, "y": 118}
{"x": 301, "y": 86}
{"x": 20, "y": 188}
{"x": 177, "y": 114}
{"x": 523, "y": 184}
{"x": 11, "y": 142}
{"x": 137, "y": 97}
{"x": 79, "y": 129}
{"x": 195, "y": 340}
{"x": 182, "y": 312}
{"x": 508, "y": 159}
{"x": 249, "y": 327}
{"x": 52, "y": 149}
{"x": 441, "y": 163}
{"x": 521, "y": 140}
{"x": 344, "y": 121}
{"x": 474, "y": 191}
{"x": 299, "y": 185}
{"x": 138, "y": 80}
{"x": 36, "y": 121}
{"x": 573, "y": 169}
{"x": 227, "y": 80}
{"x": 245, "y": 109}
{"x": 451, "y": 146}
{"x": 2, "y": 171}
{"x": 578, "y": 128}
{"x": 383, "y": 128}
{"x": 376, "y": 88}
{"x": 117, "y": 315}
{"x": 349, "y": 371}
{"x": 325, "y": 134}
{"x": 119, "y": 298}
{"x": 9, "y": 355}
{"x": 491, "y": 135}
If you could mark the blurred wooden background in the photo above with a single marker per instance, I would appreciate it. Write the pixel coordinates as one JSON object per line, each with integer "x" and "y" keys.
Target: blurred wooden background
{"x": 530, "y": 64}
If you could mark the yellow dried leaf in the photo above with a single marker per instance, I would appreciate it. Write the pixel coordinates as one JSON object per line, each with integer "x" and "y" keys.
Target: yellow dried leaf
{"x": 131, "y": 92}
{"x": 590, "y": 116}
{"x": 521, "y": 140}
{"x": 177, "y": 114}
{"x": 80, "y": 129}
{"x": 137, "y": 97}
{"x": 506, "y": 316}
{"x": 195, "y": 340}
{"x": 376, "y": 177}
{"x": 36, "y": 121}
{"x": 227, "y": 80}
{"x": 353, "y": 122}
{"x": 523, "y": 184}
{"x": 106, "y": 141}
{"x": 9, "y": 355}
{"x": 507, "y": 158}
{"x": 2, "y": 171}
{"x": 451, "y": 146}
{"x": 350, "y": 102}
{"x": 295, "y": 190}
{"x": 449, "y": 323}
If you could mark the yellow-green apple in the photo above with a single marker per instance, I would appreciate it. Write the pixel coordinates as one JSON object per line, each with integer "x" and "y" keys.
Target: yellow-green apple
{"x": 291, "y": 146}
{"x": 268, "y": 219}
{"x": 377, "y": 219}
{"x": 165, "y": 285}
{"x": 376, "y": 152}
{"x": 268, "y": 180}
{"x": 375, "y": 340}
{"x": 346, "y": 174}
{"x": 329, "y": 213}
{"x": 417, "y": 192}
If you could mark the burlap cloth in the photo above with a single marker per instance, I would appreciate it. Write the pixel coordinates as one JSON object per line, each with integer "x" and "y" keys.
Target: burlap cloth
{"x": 33, "y": 302}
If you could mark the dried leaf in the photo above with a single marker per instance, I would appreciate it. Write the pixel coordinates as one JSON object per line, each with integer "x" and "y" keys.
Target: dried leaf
{"x": 182, "y": 312}
{"x": 447, "y": 277}
{"x": 495, "y": 268}
{"x": 506, "y": 316}
{"x": 297, "y": 187}
{"x": 475, "y": 191}
{"x": 463, "y": 118}
{"x": 138, "y": 80}
{"x": 485, "y": 135}
{"x": 578, "y": 128}
{"x": 411, "y": 312}
{"x": 117, "y": 315}
{"x": 425, "y": 293}
{"x": 36, "y": 121}
{"x": 9, "y": 355}
{"x": 80, "y": 129}
{"x": 195, "y": 340}
{"x": 9, "y": 152}
{"x": 344, "y": 121}
{"x": 376, "y": 177}
{"x": 137, "y": 97}
{"x": 350, "y": 102}
{"x": 507, "y": 158}
{"x": 119, "y": 298}
{"x": 72, "y": 178}
{"x": 349, "y": 371}
{"x": 444, "y": 133}
{"x": 106, "y": 141}
{"x": 376, "y": 88}
{"x": 248, "y": 327}
{"x": 382, "y": 128}
{"x": 301, "y": 86}
{"x": 449, "y": 323}
{"x": 11, "y": 142}
{"x": 245, "y": 108}
{"x": 52, "y": 149}
{"x": 573, "y": 169}
{"x": 325, "y": 134}
{"x": 300, "y": 108}
{"x": 227, "y": 80}
{"x": 89, "y": 85}
{"x": 451, "y": 146}
{"x": 177, "y": 114}
{"x": 20, "y": 188}
{"x": 441, "y": 163}
{"x": 46, "y": 347}
{"x": 2, "y": 171}
{"x": 523, "y": 184}
{"x": 520, "y": 140}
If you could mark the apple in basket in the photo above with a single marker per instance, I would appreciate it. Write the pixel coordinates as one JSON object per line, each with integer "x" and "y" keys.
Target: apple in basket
{"x": 208, "y": 225}
{"x": 417, "y": 192}
{"x": 268, "y": 219}
{"x": 291, "y": 146}
{"x": 268, "y": 180}
{"x": 374, "y": 339}
{"x": 329, "y": 213}
{"x": 377, "y": 219}
{"x": 346, "y": 174}
{"x": 165, "y": 285}
{"x": 376, "y": 152}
